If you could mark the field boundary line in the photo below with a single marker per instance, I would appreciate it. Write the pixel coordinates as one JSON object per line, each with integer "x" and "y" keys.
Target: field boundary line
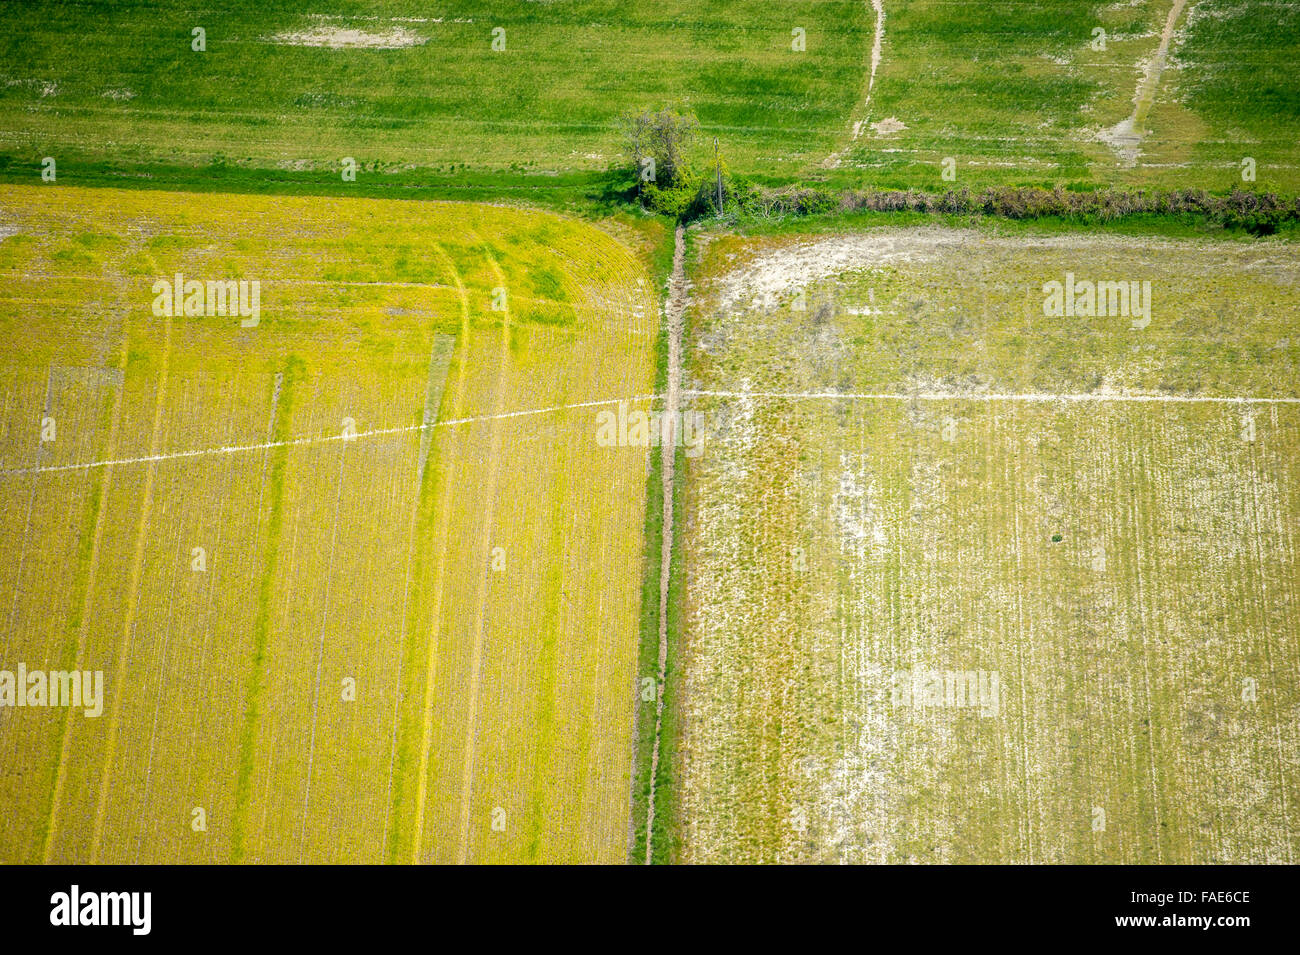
{"x": 1046, "y": 397}
{"x": 674, "y": 309}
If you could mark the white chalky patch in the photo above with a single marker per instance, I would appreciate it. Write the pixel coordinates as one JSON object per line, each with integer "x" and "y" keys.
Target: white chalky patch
{"x": 341, "y": 38}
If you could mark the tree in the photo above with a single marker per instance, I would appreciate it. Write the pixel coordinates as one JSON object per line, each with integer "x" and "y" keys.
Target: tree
{"x": 655, "y": 143}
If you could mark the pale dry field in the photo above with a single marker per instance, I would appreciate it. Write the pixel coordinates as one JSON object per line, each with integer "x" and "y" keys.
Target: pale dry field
{"x": 1127, "y": 569}
{"x": 326, "y": 560}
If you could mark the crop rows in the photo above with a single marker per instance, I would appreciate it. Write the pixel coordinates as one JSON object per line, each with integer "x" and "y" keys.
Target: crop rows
{"x": 346, "y": 648}
{"x": 1127, "y": 570}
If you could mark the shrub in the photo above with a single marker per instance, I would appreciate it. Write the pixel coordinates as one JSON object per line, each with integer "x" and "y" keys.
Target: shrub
{"x": 1258, "y": 213}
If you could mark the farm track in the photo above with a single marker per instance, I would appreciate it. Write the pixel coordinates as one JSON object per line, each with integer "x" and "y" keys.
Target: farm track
{"x": 431, "y": 661}
{"x": 877, "y": 43}
{"x": 674, "y": 315}
{"x": 271, "y": 470}
{"x": 1127, "y": 136}
{"x": 481, "y": 608}
{"x": 439, "y": 586}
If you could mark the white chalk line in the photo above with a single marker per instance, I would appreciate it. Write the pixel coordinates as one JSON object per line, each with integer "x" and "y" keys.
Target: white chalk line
{"x": 1024, "y": 397}
{"x": 317, "y": 439}
{"x": 1044, "y": 397}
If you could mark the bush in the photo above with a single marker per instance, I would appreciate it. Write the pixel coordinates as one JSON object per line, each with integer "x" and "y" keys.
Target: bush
{"x": 675, "y": 202}
{"x": 1257, "y": 213}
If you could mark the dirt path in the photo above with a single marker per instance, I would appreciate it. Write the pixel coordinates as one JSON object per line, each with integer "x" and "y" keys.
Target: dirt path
{"x": 673, "y": 310}
{"x": 1126, "y": 136}
{"x": 877, "y": 42}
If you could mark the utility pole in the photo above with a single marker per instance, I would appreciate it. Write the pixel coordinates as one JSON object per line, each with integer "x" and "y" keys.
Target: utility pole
{"x": 717, "y": 164}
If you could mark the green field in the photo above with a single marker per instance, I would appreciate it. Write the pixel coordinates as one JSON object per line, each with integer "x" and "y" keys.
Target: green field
{"x": 549, "y": 103}
{"x": 1017, "y": 94}
{"x": 417, "y": 95}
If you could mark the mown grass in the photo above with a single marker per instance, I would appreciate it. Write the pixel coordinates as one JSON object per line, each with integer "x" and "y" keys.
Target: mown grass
{"x": 1013, "y": 95}
{"x": 1016, "y": 94}
{"x": 549, "y": 102}
{"x": 974, "y": 82}
{"x": 1233, "y": 81}
{"x": 1239, "y": 66}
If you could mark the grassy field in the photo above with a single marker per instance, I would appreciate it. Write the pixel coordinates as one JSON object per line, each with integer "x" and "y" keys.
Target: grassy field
{"x": 1012, "y": 94}
{"x": 1125, "y": 570}
{"x": 434, "y": 96}
{"x": 415, "y": 644}
{"x": 1018, "y": 94}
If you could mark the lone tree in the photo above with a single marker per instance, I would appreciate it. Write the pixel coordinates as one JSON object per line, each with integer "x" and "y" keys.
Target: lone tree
{"x": 655, "y": 142}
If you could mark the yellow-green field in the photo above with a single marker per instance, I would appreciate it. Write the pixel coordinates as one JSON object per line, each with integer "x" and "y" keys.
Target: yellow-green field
{"x": 1126, "y": 569}
{"x": 371, "y": 658}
